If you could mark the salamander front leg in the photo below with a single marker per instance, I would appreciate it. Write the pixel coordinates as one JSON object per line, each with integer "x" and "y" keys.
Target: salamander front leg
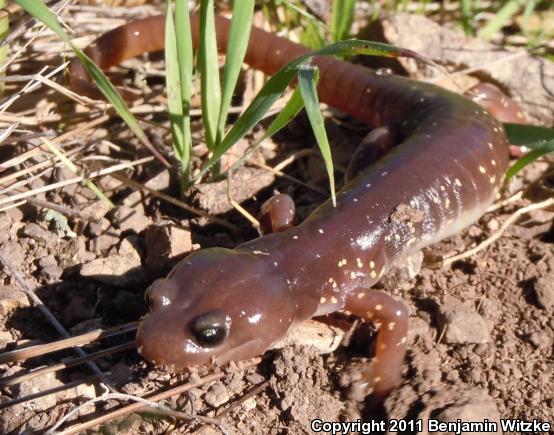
{"x": 383, "y": 375}
{"x": 277, "y": 214}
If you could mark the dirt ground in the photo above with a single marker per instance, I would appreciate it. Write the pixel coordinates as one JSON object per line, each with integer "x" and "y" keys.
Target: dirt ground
{"x": 481, "y": 330}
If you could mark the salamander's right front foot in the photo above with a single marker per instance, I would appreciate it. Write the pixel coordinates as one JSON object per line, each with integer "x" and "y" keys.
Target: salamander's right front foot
{"x": 383, "y": 374}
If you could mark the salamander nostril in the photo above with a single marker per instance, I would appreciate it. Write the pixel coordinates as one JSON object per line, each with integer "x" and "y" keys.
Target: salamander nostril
{"x": 210, "y": 329}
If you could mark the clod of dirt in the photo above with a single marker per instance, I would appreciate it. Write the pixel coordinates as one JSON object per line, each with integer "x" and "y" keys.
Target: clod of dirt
{"x": 11, "y": 298}
{"x": 216, "y": 395}
{"x": 544, "y": 291}
{"x": 127, "y": 219}
{"x": 463, "y": 325}
{"x": 246, "y": 182}
{"x": 38, "y": 234}
{"x": 164, "y": 242}
{"x": 118, "y": 270}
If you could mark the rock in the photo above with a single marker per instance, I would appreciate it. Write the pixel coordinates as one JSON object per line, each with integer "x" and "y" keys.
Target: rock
{"x": 101, "y": 226}
{"x": 246, "y": 182}
{"x": 164, "y": 242}
{"x": 97, "y": 209}
{"x": 5, "y": 339}
{"x": 129, "y": 219}
{"x": 463, "y": 325}
{"x": 11, "y": 298}
{"x": 74, "y": 253}
{"x": 118, "y": 269}
{"x": 51, "y": 272}
{"x": 544, "y": 291}
{"x": 216, "y": 395}
{"x": 49, "y": 260}
{"x": 38, "y": 234}
{"x": 159, "y": 181}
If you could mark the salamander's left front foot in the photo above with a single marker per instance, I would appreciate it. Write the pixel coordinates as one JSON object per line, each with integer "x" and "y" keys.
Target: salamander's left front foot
{"x": 277, "y": 214}
{"x": 384, "y": 372}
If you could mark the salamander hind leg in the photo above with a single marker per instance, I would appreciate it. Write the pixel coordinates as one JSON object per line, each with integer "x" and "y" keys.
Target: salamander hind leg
{"x": 375, "y": 145}
{"x": 391, "y": 316}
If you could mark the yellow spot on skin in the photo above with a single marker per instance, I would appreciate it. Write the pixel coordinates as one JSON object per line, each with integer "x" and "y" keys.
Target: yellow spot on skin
{"x": 369, "y": 314}
{"x": 492, "y": 179}
{"x": 491, "y": 145}
{"x": 384, "y": 174}
{"x": 378, "y": 307}
{"x": 359, "y": 262}
{"x": 361, "y": 295}
{"x": 482, "y": 169}
{"x": 334, "y": 300}
{"x": 342, "y": 262}
{"x": 397, "y": 236}
{"x": 447, "y": 203}
{"x": 458, "y": 182}
{"x": 377, "y": 379}
{"x": 383, "y": 346}
{"x": 401, "y": 342}
{"x": 321, "y": 231}
{"x": 493, "y": 162}
{"x": 373, "y": 274}
{"x": 372, "y": 264}
{"x": 391, "y": 326}
{"x": 352, "y": 275}
{"x": 443, "y": 188}
{"x": 322, "y": 300}
{"x": 295, "y": 237}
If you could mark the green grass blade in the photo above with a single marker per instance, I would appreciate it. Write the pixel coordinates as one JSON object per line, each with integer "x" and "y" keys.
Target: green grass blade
{"x": 287, "y": 114}
{"x": 504, "y": 14}
{"x": 239, "y": 35}
{"x": 274, "y": 87}
{"x": 307, "y": 78}
{"x": 467, "y": 15}
{"x": 263, "y": 101}
{"x": 523, "y": 134}
{"x": 539, "y": 149}
{"x": 342, "y": 18}
{"x": 38, "y": 9}
{"x": 209, "y": 72}
{"x": 179, "y": 59}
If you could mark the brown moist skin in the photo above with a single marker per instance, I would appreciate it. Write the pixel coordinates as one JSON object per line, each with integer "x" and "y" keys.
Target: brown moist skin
{"x": 222, "y": 304}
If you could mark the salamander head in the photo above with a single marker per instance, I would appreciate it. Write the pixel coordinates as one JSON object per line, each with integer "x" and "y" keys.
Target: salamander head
{"x": 216, "y": 305}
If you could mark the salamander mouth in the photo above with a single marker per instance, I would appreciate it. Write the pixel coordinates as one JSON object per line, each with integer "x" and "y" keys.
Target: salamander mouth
{"x": 167, "y": 346}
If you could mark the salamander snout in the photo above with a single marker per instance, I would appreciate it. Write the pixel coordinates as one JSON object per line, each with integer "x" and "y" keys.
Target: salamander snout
{"x": 216, "y": 305}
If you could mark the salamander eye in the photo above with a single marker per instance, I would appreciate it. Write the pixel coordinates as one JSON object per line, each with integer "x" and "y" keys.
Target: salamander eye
{"x": 210, "y": 329}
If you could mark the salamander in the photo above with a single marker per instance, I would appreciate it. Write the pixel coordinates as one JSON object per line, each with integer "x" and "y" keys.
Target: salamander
{"x": 444, "y": 170}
